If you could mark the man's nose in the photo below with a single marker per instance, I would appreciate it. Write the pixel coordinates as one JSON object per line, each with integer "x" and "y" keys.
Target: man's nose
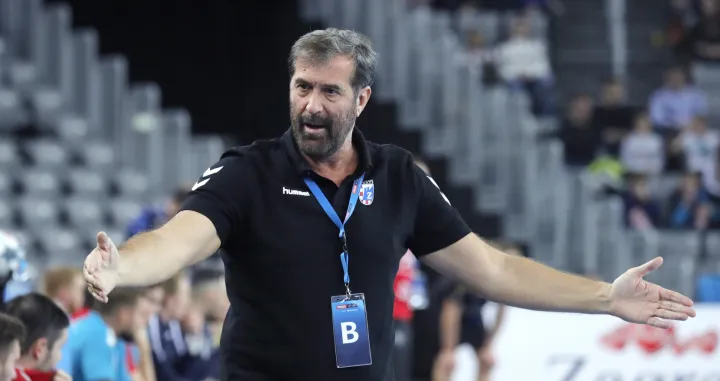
{"x": 314, "y": 105}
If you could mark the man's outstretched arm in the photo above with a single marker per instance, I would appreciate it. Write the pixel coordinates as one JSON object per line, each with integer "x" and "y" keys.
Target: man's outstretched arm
{"x": 155, "y": 256}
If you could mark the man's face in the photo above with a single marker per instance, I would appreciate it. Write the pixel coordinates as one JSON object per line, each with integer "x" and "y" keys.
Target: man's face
{"x": 148, "y": 305}
{"x": 176, "y": 305}
{"x": 49, "y": 357}
{"x": 323, "y": 105}
{"x": 8, "y": 364}
{"x": 676, "y": 78}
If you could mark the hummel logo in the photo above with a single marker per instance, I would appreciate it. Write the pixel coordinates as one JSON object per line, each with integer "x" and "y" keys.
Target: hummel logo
{"x": 208, "y": 172}
{"x": 294, "y": 192}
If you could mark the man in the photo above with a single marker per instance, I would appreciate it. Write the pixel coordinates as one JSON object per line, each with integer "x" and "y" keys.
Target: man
{"x": 153, "y": 216}
{"x": 12, "y": 333}
{"x": 138, "y": 351}
{"x": 288, "y": 254}
{"x": 165, "y": 332}
{"x": 46, "y": 326}
{"x": 66, "y": 286}
{"x": 93, "y": 351}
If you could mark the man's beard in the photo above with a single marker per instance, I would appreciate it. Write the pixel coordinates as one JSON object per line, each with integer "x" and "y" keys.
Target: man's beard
{"x": 322, "y": 147}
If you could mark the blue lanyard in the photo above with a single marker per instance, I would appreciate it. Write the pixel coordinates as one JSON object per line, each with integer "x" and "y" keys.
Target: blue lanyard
{"x": 330, "y": 211}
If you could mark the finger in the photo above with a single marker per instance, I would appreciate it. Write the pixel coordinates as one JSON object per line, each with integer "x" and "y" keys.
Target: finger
{"x": 648, "y": 267}
{"x": 670, "y": 315}
{"x": 675, "y": 297}
{"x": 659, "y": 323}
{"x": 677, "y": 307}
{"x": 104, "y": 243}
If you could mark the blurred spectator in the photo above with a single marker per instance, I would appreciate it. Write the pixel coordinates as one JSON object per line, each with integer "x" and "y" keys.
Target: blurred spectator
{"x": 643, "y": 151}
{"x": 467, "y": 20}
{"x": 12, "y": 333}
{"x": 46, "y": 326}
{"x": 703, "y": 41}
{"x": 481, "y": 57}
{"x": 688, "y": 205}
{"x": 675, "y": 104}
{"x": 682, "y": 17}
{"x": 93, "y": 351}
{"x": 153, "y": 217}
{"x": 578, "y": 133}
{"x": 524, "y": 64}
{"x": 642, "y": 211}
{"x": 697, "y": 144}
{"x": 165, "y": 330}
{"x": 613, "y": 116}
{"x": 66, "y": 286}
{"x": 138, "y": 354}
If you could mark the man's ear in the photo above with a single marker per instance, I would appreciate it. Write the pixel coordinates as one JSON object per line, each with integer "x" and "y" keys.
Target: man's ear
{"x": 362, "y": 100}
{"x": 39, "y": 349}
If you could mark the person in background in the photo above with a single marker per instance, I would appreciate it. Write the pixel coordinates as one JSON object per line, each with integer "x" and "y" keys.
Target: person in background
{"x": 698, "y": 144}
{"x": 153, "y": 216}
{"x": 643, "y": 151}
{"x": 579, "y": 134}
{"x": 673, "y": 106}
{"x": 138, "y": 354}
{"x": 46, "y": 330}
{"x": 165, "y": 331}
{"x": 524, "y": 64}
{"x": 93, "y": 351}
{"x": 702, "y": 43}
{"x": 689, "y": 206}
{"x": 65, "y": 286}
{"x": 12, "y": 334}
{"x": 209, "y": 307}
{"x": 642, "y": 211}
{"x": 613, "y": 116}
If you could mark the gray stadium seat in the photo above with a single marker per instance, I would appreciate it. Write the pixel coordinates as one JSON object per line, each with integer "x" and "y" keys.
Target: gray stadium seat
{"x": 72, "y": 129}
{"x": 6, "y": 213}
{"x": 86, "y": 182}
{"x": 37, "y": 213}
{"x": 5, "y": 186}
{"x": 48, "y": 107}
{"x": 124, "y": 211}
{"x": 83, "y": 212}
{"x": 98, "y": 155}
{"x": 22, "y": 76}
{"x": 40, "y": 182}
{"x": 61, "y": 243}
{"x": 48, "y": 154}
{"x": 9, "y": 158}
{"x": 131, "y": 183}
{"x": 12, "y": 112}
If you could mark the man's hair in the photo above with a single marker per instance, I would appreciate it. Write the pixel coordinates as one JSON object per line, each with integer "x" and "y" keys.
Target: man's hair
{"x": 172, "y": 285}
{"x": 119, "y": 298}
{"x": 11, "y": 329}
{"x": 321, "y": 46}
{"x": 57, "y": 278}
{"x": 40, "y": 316}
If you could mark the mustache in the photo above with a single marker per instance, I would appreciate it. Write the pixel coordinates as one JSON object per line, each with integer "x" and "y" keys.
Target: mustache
{"x": 315, "y": 120}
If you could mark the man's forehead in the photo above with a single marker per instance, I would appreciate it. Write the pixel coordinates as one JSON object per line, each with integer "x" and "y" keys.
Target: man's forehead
{"x": 336, "y": 71}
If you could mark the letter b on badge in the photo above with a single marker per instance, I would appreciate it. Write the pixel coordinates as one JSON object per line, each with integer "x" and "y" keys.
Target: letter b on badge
{"x": 349, "y": 332}
{"x": 352, "y": 341}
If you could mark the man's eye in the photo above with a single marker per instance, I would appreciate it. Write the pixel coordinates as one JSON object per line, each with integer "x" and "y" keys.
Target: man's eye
{"x": 303, "y": 86}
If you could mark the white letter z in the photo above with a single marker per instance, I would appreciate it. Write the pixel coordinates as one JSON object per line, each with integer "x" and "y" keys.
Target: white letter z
{"x": 208, "y": 172}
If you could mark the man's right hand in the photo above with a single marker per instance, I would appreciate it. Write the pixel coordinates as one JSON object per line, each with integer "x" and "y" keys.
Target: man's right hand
{"x": 101, "y": 268}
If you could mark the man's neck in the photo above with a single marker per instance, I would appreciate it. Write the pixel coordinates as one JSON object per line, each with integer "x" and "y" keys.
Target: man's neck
{"x": 338, "y": 166}
{"x": 26, "y": 362}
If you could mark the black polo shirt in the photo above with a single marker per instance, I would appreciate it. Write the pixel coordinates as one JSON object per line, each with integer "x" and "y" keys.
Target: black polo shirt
{"x": 282, "y": 254}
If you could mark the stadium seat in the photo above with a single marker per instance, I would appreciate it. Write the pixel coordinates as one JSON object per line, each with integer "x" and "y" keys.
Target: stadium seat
{"x": 6, "y": 214}
{"x": 38, "y": 213}
{"x": 47, "y": 154}
{"x": 39, "y": 182}
{"x": 86, "y": 182}
{"x": 9, "y": 156}
{"x": 97, "y": 155}
{"x": 124, "y": 211}
{"x": 22, "y": 76}
{"x": 131, "y": 183}
{"x": 72, "y": 129}
{"x": 62, "y": 246}
{"x": 6, "y": 186}
{"x": 82, "y": 212}
{"x": 47, "y": 104}
{"x": 12, "y": 112}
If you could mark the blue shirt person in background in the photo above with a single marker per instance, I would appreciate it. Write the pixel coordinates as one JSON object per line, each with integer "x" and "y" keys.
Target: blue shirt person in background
{"x": 93, "y": 351}
{"x": 153, "y": 217}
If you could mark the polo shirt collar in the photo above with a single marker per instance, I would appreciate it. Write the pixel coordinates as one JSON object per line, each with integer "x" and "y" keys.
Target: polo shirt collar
{"x": 302, "y": 166}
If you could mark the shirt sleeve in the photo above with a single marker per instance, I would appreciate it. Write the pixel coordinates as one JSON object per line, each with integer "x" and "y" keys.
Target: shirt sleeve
{"x": 218, "y": 195}
{"x": 437, "y": 223}
{"x": 97, "y": 359}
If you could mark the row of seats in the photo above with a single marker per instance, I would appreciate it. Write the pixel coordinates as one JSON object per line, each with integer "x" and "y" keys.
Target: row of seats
{"x": 80, "y": 181}
{"x": 55, "y": 153}
{"x": 38, "y": 213}
{"x": 59, "y": 245}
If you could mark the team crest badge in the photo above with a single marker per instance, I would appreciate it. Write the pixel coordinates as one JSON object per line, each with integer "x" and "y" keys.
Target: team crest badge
{"x": 367, "y": 192}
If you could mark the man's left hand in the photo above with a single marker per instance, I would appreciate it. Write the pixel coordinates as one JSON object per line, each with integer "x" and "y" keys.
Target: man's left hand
{"x": 637, "y": 301}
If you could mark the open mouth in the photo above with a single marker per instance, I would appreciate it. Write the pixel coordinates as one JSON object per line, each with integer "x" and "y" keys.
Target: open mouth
{"x": 314, "y": 127}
